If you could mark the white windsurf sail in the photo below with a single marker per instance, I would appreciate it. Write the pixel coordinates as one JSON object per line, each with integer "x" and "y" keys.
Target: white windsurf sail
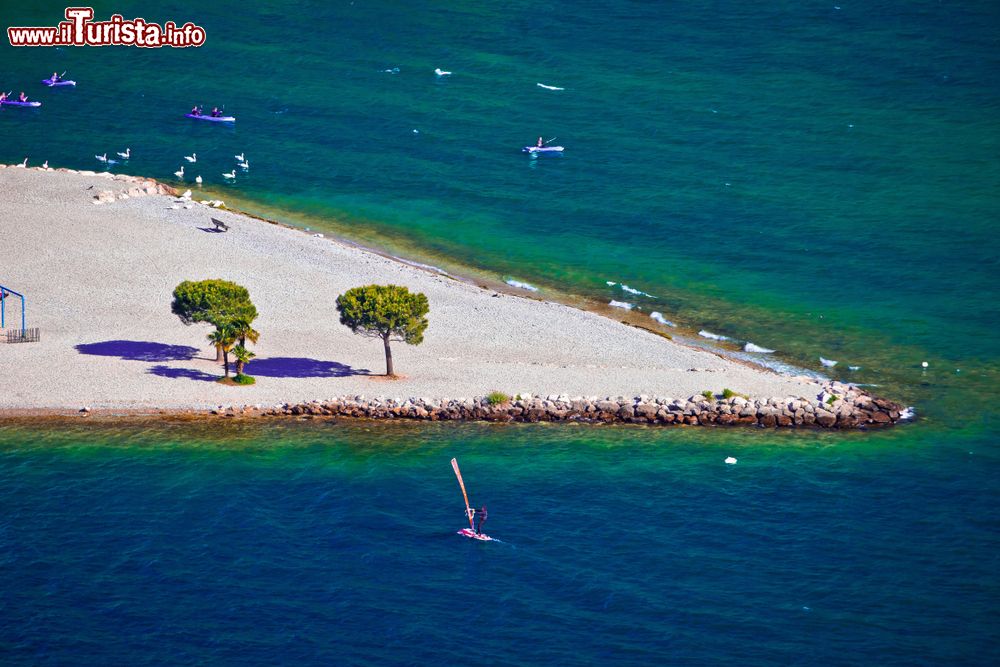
{"x": 461, "y": 483}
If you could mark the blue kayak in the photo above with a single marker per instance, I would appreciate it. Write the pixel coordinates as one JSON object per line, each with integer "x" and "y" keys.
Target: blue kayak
{"x": 61, "y": 82}
{"x": 214, "y": 119}
{"x": 15, "y": 103}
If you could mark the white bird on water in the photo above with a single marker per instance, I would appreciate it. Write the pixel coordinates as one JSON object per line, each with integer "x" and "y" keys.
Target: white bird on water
{"x": 197, "y": 179}
{"x": 829, "y": 363}
{"x": 102, "y": 158}
{"x": 191, "y": 158}
{"x": 127, "y": 154}
{"x": 245, "y": 165}
{"x": 180, "y": 173}
{"x": 441, "y": 72}
{"x": 731, "y": 460}
{"x": 230, "y": 175}
{"x": 240, "y": 158}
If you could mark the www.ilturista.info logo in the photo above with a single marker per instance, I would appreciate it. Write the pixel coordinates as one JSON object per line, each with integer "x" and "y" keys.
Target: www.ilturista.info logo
{"x": 79, "y": 30}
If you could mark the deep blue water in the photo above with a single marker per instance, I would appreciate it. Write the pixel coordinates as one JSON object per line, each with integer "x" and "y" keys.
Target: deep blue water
{"x": 308, "y": 543}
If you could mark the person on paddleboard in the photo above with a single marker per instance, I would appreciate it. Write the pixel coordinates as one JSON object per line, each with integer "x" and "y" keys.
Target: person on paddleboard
{"x": 480, "y": 519}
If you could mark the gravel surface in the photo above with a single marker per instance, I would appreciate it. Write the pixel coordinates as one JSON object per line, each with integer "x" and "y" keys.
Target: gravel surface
{"x": 99, "y": 277}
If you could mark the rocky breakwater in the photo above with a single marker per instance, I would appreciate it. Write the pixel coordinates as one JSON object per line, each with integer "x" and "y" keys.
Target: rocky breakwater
{"x": 837, "y": 406}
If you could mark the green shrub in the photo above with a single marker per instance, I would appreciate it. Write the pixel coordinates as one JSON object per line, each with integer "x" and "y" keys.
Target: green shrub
{"x": 243, "y": 379}
{"x": 833, "y": 399}
{"x": 729, "y": 393}
{"x": 497, "y": 398}
{"x": 709, "y": 396}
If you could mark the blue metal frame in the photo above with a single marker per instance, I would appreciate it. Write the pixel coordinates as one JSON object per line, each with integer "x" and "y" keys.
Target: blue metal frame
{"x": 4, "y": 293}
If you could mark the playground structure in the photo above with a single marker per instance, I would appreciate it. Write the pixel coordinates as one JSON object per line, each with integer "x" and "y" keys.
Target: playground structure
{"x": 23, "y": 334}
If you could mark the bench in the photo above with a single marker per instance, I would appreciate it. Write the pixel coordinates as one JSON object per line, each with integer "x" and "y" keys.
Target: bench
{"x": 220, "y": 226}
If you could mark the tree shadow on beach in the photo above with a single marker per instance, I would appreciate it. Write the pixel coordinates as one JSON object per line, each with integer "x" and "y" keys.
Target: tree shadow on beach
{"x": 182, "y": 373}
{"x": 300, "y": 367}
{"x": 136, "y": 350}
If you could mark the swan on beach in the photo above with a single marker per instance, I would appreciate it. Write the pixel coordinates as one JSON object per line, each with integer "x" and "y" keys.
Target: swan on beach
{"x": 23, "y": 164}
{"x": 191, "y": 158}
{"x": 197, "y": 179}
{"x": 102, "y": 158}
{"x": 240, "y": 158}
{"x": 180, "y": 173}
{"x": 186, "y": 195}
{"x": 441, "y": 72}
{"x": 230, "y": 175}
{"x": 829, "y": 363}
{"x": 126, "y": 155}
{"x": 45, "y": 165}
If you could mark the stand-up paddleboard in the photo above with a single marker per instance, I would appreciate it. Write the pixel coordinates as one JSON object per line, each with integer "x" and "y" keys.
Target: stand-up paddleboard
{"x": 213, "y": 119}
{"x": 471, "y": 530}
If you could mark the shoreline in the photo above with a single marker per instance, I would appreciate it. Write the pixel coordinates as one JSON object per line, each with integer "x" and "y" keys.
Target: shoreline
{"x": 542, "y": 340}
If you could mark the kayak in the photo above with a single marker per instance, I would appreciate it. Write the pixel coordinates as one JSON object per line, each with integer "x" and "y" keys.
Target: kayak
{"x": 61, "y": 82}
{"x": 214, "y": 119}
{"x": 15, "y": 103}
{"x": 543, "y": 149}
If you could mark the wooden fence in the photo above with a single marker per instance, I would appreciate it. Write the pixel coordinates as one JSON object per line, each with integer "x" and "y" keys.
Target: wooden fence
{"x": 32, "y": 335}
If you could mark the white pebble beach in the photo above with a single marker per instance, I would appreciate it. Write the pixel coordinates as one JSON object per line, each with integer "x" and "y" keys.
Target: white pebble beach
{"x": 98, "y": 279}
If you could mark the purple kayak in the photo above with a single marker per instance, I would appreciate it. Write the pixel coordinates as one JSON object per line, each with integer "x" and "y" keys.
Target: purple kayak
{"x": 61, "y": 82}
{"x": 15, "y": 103}
{"x": 214, "y": 119}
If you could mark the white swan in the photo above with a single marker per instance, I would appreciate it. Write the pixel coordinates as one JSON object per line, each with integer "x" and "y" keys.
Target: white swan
{"x": 240, "y": 158}
{"x": 197, "y": 179}
{"x": 829, "y": 363}
{"x": 441, "y": 72}
{"x": 245, "y": 164}
{"x": 127, "y": 154}
{"x": 186, "y": 195}
{"x": 731, "y": 460}
{"x": 102, "y": 158}
{"x": 45, "y": 165}
{"x": 23, "y": 164}
{"x": 191, "y": 158}
{"x": 179, "y": 174}
{"x": 231, "y": 174}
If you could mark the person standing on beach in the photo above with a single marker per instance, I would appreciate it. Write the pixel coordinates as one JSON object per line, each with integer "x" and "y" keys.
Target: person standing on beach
{"x": 480, "y": 519}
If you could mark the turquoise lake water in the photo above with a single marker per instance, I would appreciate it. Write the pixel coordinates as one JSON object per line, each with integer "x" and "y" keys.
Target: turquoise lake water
{"x": 818, "y": 180}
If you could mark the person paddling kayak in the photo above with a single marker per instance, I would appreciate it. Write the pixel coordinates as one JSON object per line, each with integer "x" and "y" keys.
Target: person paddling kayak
{"x": 215, "y": 112}
{"x": 23, "y": 97}
{"x": 196, "y": 110}
{"x": 540, "y": 143}
{"x": 3, "y": 96}
{"x": 55, "y": 78}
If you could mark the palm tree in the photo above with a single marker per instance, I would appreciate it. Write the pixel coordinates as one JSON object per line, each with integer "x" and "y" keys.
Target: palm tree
{"x": 223, "y": 338}
{"x": 243, "y": 330}
{"x": 242, "y": 356}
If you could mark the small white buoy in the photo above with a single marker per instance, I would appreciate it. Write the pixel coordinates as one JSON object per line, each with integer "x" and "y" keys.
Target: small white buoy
{"x": 924, "y": 364}
{"x": 731, "y": 460}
